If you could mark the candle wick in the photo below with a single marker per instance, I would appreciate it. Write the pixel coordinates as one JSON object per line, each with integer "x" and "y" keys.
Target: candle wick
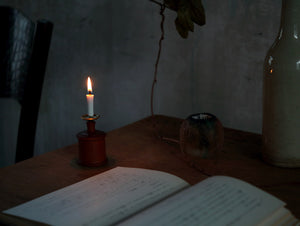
{"x": 90, "y": 92}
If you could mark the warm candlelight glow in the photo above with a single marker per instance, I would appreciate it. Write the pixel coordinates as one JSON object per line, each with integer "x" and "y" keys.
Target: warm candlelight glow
{"x": 90, "y": 98}
{"x": 89, "y": 85}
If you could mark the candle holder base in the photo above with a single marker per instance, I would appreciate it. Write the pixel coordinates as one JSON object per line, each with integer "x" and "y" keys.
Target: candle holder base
{"x": 89, "y": 118}
{"x": 91, "y": 143}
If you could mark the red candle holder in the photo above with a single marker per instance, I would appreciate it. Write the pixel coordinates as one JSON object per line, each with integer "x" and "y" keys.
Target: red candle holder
{"x": 91, "y": 144}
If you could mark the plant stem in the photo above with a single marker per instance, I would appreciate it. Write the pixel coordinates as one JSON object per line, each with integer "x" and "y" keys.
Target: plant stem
{"x": 162, "y": 9}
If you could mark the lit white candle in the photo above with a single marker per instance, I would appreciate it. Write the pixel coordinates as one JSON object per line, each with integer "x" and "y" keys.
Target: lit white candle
{"x": 90, "y": 98}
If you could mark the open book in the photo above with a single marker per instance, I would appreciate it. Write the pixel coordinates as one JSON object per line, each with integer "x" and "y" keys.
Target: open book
{"x": 132, "y": 196}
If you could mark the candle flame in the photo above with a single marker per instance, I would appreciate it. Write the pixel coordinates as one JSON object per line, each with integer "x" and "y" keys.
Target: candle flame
{"x": 89, "y": 85}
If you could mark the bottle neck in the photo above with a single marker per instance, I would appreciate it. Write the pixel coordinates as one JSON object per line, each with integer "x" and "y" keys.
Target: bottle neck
{"x": 290, "y": 19}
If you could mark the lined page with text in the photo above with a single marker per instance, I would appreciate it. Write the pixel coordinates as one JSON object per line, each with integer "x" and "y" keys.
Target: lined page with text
{"x": 103, "y": 199}
{"x": 218, "y": 200}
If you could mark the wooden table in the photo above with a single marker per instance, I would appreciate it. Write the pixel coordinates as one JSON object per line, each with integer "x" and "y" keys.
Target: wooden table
{"x": 137, "y": 145}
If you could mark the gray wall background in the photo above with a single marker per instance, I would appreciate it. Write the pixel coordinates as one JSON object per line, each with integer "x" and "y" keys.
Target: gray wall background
{"x": 218, "y": 69}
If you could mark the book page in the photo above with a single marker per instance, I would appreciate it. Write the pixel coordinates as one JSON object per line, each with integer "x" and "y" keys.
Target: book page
{"x": 215, "y": 201}
{"x": 281, "y": 217}
{"x": 103, "y": 199}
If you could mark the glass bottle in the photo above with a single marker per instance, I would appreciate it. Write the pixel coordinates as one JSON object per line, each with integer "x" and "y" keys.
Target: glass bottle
{"x": 281, "y": 92}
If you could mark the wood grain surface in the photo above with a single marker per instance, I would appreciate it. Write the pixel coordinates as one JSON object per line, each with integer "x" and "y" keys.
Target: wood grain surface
{"x": 151, "y": 143}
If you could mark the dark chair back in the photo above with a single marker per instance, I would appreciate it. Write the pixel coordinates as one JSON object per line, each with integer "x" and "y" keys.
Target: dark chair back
{"x": 24, "y": 47}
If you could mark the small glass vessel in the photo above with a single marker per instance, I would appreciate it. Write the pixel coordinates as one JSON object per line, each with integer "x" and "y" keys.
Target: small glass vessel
{"x": 201, "y": 136}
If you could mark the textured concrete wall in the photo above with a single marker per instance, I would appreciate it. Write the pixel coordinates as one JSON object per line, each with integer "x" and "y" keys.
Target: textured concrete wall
{"x": 218, "y": 69}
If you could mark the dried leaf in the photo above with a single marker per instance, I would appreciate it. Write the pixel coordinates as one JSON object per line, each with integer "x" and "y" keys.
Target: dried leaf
{"x": 183, "y": 31}
{"x": 197, "y": 12}
{"x": 172, "y": 4}
{"x": 188, "y": 13}
{"x": 184, "y": 17}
